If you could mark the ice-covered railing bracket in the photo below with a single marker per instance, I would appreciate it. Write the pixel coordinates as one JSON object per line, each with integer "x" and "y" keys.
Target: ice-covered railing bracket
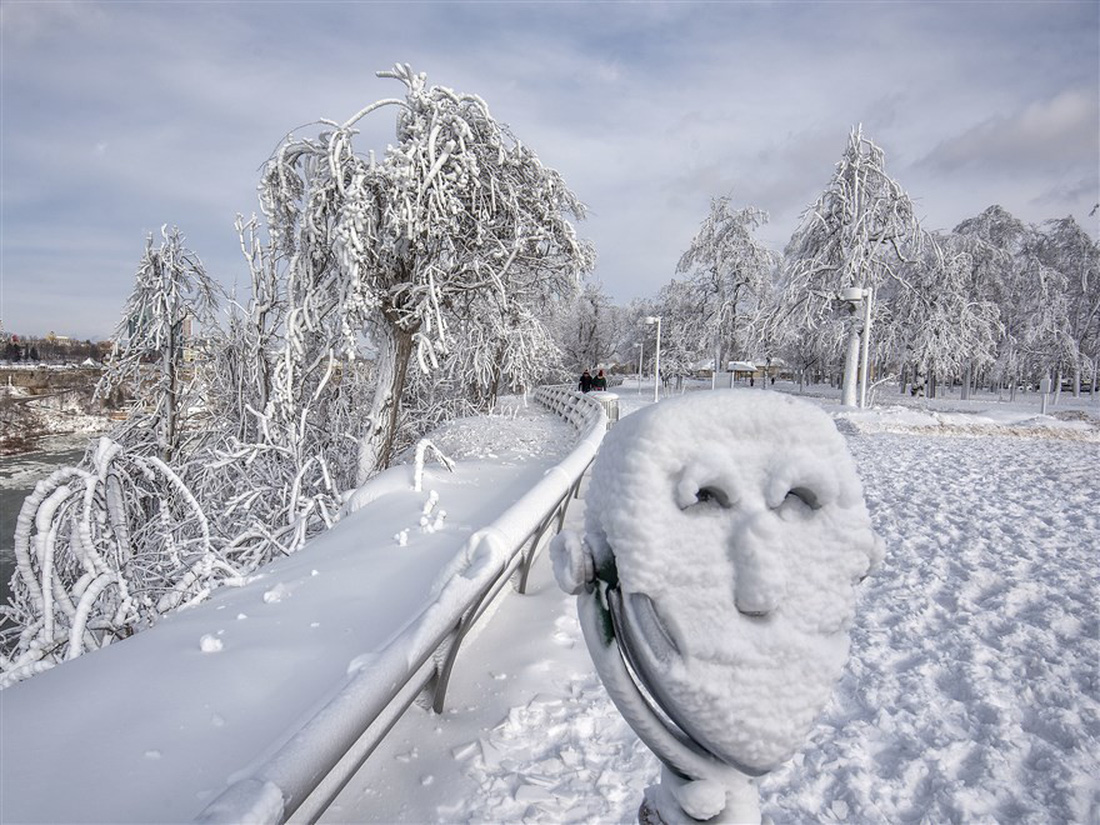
{"x": 725, "y": 536}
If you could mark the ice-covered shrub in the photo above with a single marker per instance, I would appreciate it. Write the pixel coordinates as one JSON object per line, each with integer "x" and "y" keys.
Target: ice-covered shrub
{"x": 100, "y": 553}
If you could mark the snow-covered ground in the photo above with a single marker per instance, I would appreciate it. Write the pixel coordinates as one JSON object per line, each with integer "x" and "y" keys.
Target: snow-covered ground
{"x": 971, "y": 693}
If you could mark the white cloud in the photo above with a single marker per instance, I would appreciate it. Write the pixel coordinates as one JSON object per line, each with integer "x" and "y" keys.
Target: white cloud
{"x": 1046, "y": 135}
{"x": 648, "y": 110}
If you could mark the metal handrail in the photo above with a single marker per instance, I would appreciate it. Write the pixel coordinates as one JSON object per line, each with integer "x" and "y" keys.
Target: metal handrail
{"x": 303, "y": 777}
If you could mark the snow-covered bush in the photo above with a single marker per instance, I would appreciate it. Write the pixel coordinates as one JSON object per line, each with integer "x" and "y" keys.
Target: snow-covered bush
{"x": 101, "y": 553}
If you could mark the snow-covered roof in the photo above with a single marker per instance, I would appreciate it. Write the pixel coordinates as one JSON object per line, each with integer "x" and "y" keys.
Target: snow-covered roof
{"x": 740, "y": 366}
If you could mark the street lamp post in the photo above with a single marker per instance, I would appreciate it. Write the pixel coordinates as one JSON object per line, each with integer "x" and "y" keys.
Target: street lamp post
{"x": 866, "y": 344}
{"x": 859, "y": 347}
{"x": 656, "y": 319}
{"x": 641, "y": 354}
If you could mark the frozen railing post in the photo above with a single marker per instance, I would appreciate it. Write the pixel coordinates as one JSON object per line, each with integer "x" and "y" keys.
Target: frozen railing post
{"x": 610, "y": 403}
{"x": 725, "y": 534}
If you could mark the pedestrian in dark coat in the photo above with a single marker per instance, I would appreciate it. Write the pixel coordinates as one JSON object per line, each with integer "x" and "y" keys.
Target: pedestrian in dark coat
{"x": 586, "y": 382}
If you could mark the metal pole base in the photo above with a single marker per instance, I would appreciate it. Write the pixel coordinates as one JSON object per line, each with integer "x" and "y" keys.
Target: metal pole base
{"x": 679, "y": 801}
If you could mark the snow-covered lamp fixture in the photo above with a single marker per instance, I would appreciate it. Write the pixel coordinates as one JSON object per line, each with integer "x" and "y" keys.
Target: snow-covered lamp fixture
{"x": 725, "y": 534}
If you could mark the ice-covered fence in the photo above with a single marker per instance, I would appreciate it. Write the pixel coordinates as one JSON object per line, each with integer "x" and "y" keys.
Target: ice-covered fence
{"x": 308, "y": 772}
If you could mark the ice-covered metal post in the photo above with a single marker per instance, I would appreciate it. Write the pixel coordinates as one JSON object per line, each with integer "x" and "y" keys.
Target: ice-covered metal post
{"x": 865, "y": 344}
{"x": 656, "y": 319}
{"x": 859, "y": 346}
{"x": 719, "y": 651}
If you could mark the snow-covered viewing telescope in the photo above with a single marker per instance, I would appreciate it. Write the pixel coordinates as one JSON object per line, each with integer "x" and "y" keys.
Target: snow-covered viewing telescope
{"x": 716, "y": 579}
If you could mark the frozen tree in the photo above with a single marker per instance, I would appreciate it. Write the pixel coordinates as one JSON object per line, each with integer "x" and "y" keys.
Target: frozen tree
{"x": 1030, "y": 295}
{"x": 500, "y": 349}
{"x": 936, "y": 320}
{"x": 685, "y": 341}
{"x": 587, "y": 327}
{"x": 730, "y": 270}
{"x": 171, "y": 292}
{"x": 273, "y": 475}
{"x": 1063, "y": 246}
{"x": 386, "y": 247}
{"x": 857, "y": 234}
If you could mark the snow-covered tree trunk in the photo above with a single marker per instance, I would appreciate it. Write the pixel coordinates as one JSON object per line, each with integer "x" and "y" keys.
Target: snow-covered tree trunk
{"x": 395, "y": 348}
{"x": 171, "y": 391}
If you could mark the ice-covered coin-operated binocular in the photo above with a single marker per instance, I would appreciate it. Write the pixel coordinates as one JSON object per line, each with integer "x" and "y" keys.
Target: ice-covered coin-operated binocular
{"x": 725, "y": 534}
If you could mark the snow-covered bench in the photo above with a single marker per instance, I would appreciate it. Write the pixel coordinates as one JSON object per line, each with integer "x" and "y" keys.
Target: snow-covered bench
{"x": 263, "y": 701}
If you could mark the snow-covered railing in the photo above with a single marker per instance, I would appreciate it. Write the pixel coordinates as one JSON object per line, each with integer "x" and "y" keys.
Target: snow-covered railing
{"x": 309, "y": 771}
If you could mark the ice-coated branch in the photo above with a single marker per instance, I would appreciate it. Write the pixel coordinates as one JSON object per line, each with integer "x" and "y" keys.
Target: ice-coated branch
{"x": 422, "y": 447}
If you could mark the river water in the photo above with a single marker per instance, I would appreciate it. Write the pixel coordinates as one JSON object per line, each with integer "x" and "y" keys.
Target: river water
{"x": 18, "y": 475}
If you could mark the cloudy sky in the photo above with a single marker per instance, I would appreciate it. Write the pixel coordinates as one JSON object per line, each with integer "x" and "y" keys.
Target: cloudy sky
{"x": 119, "y": 117}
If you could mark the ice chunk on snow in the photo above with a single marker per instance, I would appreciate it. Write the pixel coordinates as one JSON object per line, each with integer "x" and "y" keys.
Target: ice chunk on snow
{"x": 210, "y": 643}
{"x": 276, "y": 594}
{"x": 737, "y": 527}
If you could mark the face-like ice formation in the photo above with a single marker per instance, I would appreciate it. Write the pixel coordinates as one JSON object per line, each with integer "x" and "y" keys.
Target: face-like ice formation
{"x": 738, "y": 529}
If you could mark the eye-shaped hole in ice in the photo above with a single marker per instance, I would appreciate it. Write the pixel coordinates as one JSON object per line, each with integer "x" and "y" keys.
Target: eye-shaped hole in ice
{"x": 801, "y": 498}
{"x": 708, "y": 498}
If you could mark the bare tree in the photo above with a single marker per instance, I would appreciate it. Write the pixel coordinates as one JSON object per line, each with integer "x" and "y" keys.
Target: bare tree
{"x": 937, "y": 322}
{"x": 1031, "y": 296}
{"x": 1062, "y": 245}
{"x": 730, "y": 270}
{"x": 856, "y": 235}
{"x": 171, "y": 293}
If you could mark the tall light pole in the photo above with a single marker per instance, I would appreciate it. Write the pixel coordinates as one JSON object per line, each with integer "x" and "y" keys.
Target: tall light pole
{"x": 656, "y": 319}
{"x": 865, "y": 342}
{"x": 859, "y": 346}
{"x": 641, "y": 353}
